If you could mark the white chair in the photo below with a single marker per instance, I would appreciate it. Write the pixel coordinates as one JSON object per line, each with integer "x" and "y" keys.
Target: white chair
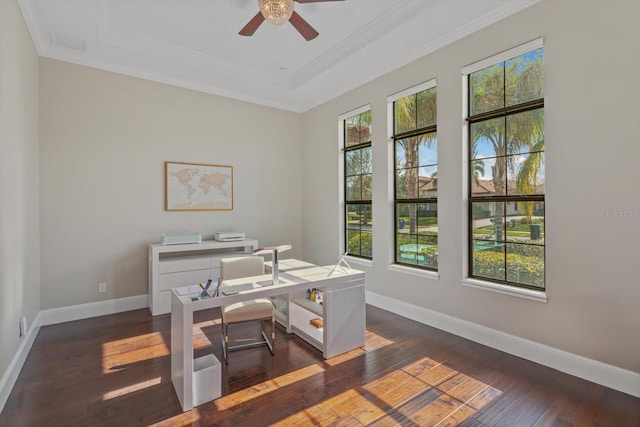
{"x": 248, "y": 311}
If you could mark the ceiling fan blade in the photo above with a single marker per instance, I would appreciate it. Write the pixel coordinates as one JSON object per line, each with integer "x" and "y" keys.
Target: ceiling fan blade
{"x": 303, "y": 27}
{"x": 252, "y": 25}
{"x": 314, "y": 1}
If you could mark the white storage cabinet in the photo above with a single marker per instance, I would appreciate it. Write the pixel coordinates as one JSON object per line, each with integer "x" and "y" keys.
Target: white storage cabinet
{"x": 172, "y": 266}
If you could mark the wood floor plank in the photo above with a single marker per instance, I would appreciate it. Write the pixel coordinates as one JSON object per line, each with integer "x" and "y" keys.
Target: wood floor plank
{"x": 115, "y": 371}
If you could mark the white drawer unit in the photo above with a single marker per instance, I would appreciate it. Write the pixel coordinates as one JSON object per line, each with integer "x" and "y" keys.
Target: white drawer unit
{"x": 172, "y": 266}
{"x": 187, "y": 263}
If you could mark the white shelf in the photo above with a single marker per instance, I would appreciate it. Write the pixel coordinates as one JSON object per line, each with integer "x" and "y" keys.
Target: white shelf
{"x": 313, "y": 307}
{"x": 300, "y": 321}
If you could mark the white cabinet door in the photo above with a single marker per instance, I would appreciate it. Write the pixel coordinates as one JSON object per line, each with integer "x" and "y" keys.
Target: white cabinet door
{"x": 174, "y": 265}
{"x": 184, "y": 278}
{"x": 345, "y": 324}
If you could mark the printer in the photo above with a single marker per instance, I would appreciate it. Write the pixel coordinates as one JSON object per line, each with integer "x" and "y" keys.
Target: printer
{"x": 228, "y": 236}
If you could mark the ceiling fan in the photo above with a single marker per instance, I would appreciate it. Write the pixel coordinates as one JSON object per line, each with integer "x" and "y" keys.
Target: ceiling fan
{"x": 278, "y": 12}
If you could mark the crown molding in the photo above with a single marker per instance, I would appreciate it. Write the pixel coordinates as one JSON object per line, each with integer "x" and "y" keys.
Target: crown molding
{"x": 298, "y": 91}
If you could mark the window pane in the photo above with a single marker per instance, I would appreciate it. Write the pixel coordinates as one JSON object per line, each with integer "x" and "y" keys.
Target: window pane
{"x": 488, "y": 261}
{"x": 428, "y": 182}
{"x": 353, "y": 217}
{"x": 488, "y": 138}
{"x": 525, "y": 264}
{"x": 427, "y": 113}
{"x": 407, "y": 183}
{"x": 405, "y": 249}
{"x": 488, "y": 222}
{"x": 408, "y": 150}
{"x": 428, "y": 252}
{"x": 428, "y": 235}
{"x": 427, "y": 214}
{"x": 401, "y": 184}
{"x": 489, "y": 177}
{"x": 405, "y": 114}
{"x": 365, "y": 159}
{"x": 526, "y": 131}
{"x": 401, "y": 158}
{"x": 488, "y": 240}
{"x": 359, "y": 239}
{"x": 352, "y": 166}
{"x": 525, "y": 222}
{"x": 353, "y": 242}
{"x": 358, "y": 129}
{"x": 366, "y": 187}
{"x": 480, "y": 185}
{"x": 525, "y": 77}
{"x": 366, "y": 218}
{"x": 358, "y": 161}
{"x": 354, "y": 188}
{"x": 428, "y": 150}
{"x": 366, "y": 247}
{"x": 487, "y": 89}
{"x": 526, "y": 173}
{"x": 407, "y": 215}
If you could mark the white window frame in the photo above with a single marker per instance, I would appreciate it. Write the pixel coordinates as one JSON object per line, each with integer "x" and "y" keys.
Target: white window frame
{"x": 341, "y": 202}
{"x": 429, "y": 274}
{"x": 530, "y": 294}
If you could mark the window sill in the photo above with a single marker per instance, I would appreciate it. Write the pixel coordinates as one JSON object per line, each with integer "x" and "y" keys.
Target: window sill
{"x": 539, "y": 296}
{"x": 433, "y": 275}
{"x": 359, "y": 261}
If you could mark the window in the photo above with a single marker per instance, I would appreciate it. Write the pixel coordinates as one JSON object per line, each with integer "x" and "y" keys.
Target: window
{"x": 415, "y": 176}
{"x": 506, "y": 148}
{"x": 357, "y": 184}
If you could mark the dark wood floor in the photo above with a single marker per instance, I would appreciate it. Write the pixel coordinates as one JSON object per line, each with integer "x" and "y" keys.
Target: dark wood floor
{"x": 115, "y": 371}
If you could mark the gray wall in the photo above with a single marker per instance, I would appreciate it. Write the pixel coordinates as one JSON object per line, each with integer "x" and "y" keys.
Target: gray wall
{"x": 592, "y": 111}
{"x": 105, "y": 138}
{"x": 19, "y": 216}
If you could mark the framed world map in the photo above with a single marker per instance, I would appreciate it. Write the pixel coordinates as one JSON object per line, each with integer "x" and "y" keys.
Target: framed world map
{"x": 198, "y": 187}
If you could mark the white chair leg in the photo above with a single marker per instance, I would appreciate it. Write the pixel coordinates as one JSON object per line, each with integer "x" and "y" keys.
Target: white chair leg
{"x": 225, "y": 342}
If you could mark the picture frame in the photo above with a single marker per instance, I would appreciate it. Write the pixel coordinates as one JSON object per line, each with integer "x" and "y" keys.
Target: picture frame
{"x": 198, "y": 187}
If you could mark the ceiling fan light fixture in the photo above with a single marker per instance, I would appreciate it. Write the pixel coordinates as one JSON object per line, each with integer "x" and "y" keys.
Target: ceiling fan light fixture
{"x": 276, "y": 12}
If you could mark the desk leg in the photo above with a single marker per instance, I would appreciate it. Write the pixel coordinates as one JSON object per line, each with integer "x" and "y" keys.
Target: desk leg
{"x": 344, "y": 320}
{"x": 182, "y": 353}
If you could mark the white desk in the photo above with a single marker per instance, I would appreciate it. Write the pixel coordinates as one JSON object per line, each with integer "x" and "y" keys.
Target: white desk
{"x": 343, "y": 313}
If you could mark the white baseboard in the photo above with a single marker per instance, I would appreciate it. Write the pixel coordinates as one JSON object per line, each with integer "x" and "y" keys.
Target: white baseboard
{"x": 13, "y": 370}
{"x": 573, "y": 364}
{"x": 93, "y": 309}
{"x": 59, "y": 315}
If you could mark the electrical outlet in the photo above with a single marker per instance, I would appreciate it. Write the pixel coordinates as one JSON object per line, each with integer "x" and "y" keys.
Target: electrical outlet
{"x": 23, "y": 326}
{"x": 102, "y": 287}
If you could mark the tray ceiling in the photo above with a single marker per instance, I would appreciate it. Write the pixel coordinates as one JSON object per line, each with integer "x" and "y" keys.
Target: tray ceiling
{"x": 195, "y": 43}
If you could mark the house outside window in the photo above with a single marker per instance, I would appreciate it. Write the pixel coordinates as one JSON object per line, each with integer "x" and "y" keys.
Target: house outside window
{"x": 357, "y": 163}
{"x": 506, "y": 168}
{"x": 415, "y": 176}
